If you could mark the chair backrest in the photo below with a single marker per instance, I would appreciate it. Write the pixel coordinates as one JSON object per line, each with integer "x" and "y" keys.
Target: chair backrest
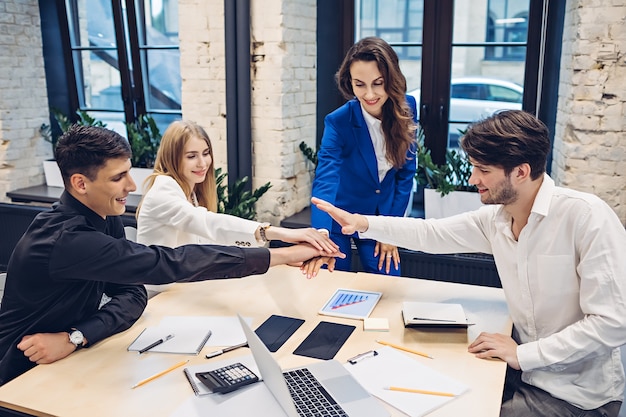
{"x": 3, "y": 278}
{"x": 14, "y": 220}
{"x": 131, "y": 233}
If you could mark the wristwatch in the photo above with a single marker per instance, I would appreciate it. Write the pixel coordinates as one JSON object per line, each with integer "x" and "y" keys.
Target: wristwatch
{"x": 262, "y": 228}
{"x": 76, "y": 338}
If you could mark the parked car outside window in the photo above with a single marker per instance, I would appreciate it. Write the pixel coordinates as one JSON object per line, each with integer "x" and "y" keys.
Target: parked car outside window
{"x": 474, "y": 98}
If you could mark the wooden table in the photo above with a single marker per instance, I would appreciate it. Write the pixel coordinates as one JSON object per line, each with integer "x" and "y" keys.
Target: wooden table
{"x": 97, "y": 381}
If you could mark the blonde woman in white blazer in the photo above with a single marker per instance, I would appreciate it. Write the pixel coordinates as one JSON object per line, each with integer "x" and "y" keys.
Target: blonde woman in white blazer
{"x": 179, "y": 206}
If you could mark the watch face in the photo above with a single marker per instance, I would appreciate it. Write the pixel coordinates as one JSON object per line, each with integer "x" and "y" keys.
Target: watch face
{"x": 76, "y": 337}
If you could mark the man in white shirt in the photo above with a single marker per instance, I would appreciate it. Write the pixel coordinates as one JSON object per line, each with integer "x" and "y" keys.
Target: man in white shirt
{"x": 560, "y": 257}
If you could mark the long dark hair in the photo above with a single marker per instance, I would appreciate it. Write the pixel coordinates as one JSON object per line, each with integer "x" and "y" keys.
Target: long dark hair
{"x": 397, "y": 118}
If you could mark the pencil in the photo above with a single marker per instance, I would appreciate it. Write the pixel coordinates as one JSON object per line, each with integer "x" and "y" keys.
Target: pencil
{"x": 155, "y": 376}
{"x": 420, "y": 391}
{"x": 406, "y": 349}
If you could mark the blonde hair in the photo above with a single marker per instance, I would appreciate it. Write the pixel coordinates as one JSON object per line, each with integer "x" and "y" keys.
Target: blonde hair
{"x": 169, "y": 160}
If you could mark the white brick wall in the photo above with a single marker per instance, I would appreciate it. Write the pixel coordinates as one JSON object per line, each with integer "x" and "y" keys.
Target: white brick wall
{"x": 283, "y": 92}
{"x": 283, "y": 102}
{"x": 202, "y": 60}
{"x": 590, "y": 143}
{"x": 23, "y": 98}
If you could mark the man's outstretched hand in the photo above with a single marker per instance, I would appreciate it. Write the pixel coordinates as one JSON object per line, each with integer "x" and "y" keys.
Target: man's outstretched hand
{"x": 349, "y": 222}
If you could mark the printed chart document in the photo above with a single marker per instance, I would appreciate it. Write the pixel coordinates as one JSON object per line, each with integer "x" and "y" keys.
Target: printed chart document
{"x": 423, "y": 314}
{"x": 351, "y": 304}
{"x": 391, "y": 368}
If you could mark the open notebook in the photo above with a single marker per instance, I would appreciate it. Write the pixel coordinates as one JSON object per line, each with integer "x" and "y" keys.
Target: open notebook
{"x": 189, "y": 335}
{"x": 424, "y": 314}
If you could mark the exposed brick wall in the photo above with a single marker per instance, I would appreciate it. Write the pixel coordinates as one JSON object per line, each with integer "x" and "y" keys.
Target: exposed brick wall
{"x": 283, "y": 102}
{"x": 590, "y": 138}
{"x": 590, "y": 144}
{"x": 23, "y": 97}
{"x": 202, "y": 60}
{"x": 283, "y": 92}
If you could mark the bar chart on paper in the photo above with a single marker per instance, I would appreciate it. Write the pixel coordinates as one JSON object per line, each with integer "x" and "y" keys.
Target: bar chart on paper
{"x": 347, "y": 303}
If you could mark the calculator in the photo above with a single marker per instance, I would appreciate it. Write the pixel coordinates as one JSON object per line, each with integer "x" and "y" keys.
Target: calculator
{"x": 227, "y": 378}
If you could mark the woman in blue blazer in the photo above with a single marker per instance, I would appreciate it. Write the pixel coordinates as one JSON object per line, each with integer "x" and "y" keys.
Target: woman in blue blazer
{"x": 366, "y": 162}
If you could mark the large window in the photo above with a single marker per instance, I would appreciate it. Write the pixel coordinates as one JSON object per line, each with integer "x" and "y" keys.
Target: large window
{"x": 463, "y": 59}
{"x": 125, "y": 59}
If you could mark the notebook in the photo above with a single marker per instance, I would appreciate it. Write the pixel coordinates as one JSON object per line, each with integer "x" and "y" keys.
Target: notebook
{"x": 190, "y": 336}
{"x": 423, "y": 314}
{"x": 199, "y": 389}
{"x": 337, "y": 384}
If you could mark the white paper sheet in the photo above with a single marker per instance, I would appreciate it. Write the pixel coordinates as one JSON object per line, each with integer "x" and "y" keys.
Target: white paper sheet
{"x": 393, "y": 368}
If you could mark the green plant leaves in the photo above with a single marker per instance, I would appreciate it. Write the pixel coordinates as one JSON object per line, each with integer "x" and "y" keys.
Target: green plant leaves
{"x": 236, "y": 200}
{"x": 453, "y": 176}
{"x": 144, "y": 139}
{"x": 64, "y": 122}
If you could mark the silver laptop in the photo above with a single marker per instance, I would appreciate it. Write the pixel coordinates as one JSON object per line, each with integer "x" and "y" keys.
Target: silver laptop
{"x": 338, "y": 386}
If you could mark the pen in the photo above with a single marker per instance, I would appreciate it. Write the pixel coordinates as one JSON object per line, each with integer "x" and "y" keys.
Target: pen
{"x": 405, "y": 349}
{"x": 428, "y": 319}
{"x": 157, "y": 343}
{"x": 420, "y": 391}
{"x": 362, "y": 356}
{"x": 155, "y": 376}
{"x": 226, "y": 349}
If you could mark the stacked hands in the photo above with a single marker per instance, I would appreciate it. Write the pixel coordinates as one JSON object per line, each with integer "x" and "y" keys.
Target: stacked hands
{"x": 486, "y": 345}
{"x": 350, "y": 223}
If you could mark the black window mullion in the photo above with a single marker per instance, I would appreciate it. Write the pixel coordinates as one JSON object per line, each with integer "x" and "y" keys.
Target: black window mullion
{"x": 533, "y": 55}
{"x": 137, "y": 53}
{"x": 122, "y": 57}
{"x": 436, "y": 67}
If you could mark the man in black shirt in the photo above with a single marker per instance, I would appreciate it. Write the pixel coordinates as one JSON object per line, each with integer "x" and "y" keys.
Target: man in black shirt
{"x": 72, "y": 255}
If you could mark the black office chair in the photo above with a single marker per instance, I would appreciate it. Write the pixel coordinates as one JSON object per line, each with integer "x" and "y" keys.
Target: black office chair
{"x": 14, "y": 220}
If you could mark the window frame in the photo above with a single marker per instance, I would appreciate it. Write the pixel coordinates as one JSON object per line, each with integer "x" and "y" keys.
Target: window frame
{"x": 132, "y": 50}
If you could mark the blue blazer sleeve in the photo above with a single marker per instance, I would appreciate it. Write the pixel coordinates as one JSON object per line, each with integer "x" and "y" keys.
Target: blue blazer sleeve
{"x": 347, "y": 173}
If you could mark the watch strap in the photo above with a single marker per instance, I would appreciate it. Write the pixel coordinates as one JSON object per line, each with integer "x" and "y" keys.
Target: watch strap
{"x": 262, "y": 228}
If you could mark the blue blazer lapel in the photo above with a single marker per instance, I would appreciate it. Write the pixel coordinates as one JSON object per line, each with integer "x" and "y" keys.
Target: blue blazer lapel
{"x": 363, "y": 140}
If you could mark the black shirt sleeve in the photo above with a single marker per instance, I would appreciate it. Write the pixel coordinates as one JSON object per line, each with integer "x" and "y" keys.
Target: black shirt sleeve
{"x": 85, "y": 255}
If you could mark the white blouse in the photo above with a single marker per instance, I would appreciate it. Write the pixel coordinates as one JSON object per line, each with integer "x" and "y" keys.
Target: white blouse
{"x": 167, "y": 218}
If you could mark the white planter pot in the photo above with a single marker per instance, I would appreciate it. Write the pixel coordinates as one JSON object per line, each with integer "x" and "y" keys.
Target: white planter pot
{"x": 436, "y": 206}
{"x": 54, "y": 179}
{"x": 52, "y": 173}
{"x": 139, "y": 175}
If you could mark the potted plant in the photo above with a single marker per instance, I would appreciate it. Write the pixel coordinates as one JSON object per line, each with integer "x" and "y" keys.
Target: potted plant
{"x": 50, "y": 167}
{"x": 144, "y": 138}
{"x": 447, "y": 190}
{"x": 236, "y": 200}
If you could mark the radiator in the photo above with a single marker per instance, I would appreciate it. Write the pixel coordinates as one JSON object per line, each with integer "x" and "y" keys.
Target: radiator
{"x": 470, "y": 268}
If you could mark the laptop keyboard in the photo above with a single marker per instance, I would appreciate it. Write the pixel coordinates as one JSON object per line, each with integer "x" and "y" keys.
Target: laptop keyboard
{"x": 309, "y": 396}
